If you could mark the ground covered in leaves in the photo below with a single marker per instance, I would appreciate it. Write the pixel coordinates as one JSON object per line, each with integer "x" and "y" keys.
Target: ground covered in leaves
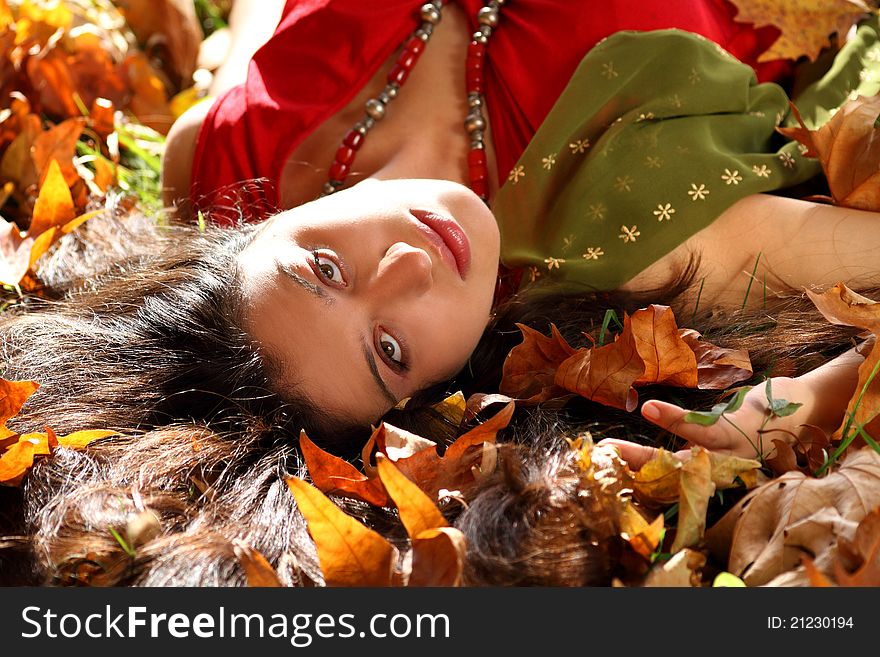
{"x": 89, "y": 88}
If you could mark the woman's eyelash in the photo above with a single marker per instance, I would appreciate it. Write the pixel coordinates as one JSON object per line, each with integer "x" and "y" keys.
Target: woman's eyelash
{"x": 402, "y": 366}
{"x": 318, "y": 253}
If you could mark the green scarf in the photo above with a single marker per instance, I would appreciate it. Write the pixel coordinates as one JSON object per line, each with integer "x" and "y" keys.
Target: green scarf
{"x": 655, "y": 136}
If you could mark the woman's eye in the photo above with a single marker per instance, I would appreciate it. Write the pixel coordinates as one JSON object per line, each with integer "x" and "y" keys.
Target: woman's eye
{"x": 328, "y": 269}
{"x": 390, "y": 348}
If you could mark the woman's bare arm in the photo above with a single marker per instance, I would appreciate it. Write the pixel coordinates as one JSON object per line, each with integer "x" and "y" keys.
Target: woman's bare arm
{"x": 251, "y": 23}
{"x": 795, "y": 244}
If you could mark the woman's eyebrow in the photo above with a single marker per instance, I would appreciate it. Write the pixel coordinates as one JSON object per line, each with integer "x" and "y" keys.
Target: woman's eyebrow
{"x": 308, "y": 286}
{"x": 374, "y": 370}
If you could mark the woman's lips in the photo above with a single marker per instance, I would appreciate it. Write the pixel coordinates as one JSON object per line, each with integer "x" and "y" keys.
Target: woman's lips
{"x": 449, "y": 237}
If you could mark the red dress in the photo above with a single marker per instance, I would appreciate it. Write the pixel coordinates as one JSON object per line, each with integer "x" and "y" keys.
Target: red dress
{"x": 324, "y": 51}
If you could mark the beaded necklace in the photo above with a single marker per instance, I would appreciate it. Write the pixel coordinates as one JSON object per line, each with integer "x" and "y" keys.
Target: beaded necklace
{"x": 475, "y": 123}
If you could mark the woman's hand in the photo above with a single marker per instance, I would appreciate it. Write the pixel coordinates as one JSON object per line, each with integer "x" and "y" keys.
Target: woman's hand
{"x": 749, "y": 431}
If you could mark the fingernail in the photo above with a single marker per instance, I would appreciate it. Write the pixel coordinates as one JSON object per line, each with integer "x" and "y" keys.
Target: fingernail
{"x": 650, "y": 412}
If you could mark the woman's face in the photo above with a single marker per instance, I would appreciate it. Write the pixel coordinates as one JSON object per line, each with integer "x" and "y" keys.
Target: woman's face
{"x": 373, "y": 293}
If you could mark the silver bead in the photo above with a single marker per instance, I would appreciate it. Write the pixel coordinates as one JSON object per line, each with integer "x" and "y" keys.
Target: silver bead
{"x": 475, "y": 100}
{"x": 368, "y": 122}
{"x": 423, "y": 34}
{"x": 479, "y": 37}
{"x": 391, "y": 90}
{"x": 361, "y": 128}
{"x": 474, "y": 122}
{"x": 384, "y": 98}
{"x": 477, "y": 144}
{"x": 430, "y": 14}
{"x": 486, "y": 31}
{"x": 328, "y": 188}
{"x": 499, "y": 3}
{"x": 488, "y": 16}
{"x": 375, "y": 109}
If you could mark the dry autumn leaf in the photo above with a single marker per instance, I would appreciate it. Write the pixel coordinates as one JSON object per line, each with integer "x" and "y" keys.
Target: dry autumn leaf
{"x": 418, "y": 513}
{"x": 437, "y": 550}
{"x": 58, "y": 144}
{"x": 334, "y": 475}
{"x": 13, "y": 395}
{"x": 667, "y": 479}
{"x": 350, "y": 554}
{"x": 422, "y": 464}
{"x": 605, "y": 374}
{"x": 650, "y": 349}
{"x": 257, "y": 570}
{"x": 18, "y": 459}
{"x": 859, "y": 560}
{"x": 171, "y": 25}
{"x": 682, "y": 570}
{"x": 438, "y": 558}
{"x": 530, "y": 367}
{"x": 805, "y": 25}
{"x": 848, "y": 148}
{"x": 840, "y": 305}
{"x": 54, "y": 206}
{"x": 774, "y": 525}
{"x": 693, "y": 501}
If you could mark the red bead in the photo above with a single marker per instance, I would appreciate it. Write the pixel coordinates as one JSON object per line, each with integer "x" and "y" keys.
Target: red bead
{"x": 397, "y": 75}
{"x": 476, "y": 51}
{"x": 415, "y": 45}
{"x": 338, "y": 171}
{"x": 477, "y": 157}
{"x": 345, "y": 155}
{"x": 480, "y": 188}
{"x": 474, "y": 80}
{"x": 407, "y": 59}
{"x": 353, "y": 139}
{"x": 477, "y": 164}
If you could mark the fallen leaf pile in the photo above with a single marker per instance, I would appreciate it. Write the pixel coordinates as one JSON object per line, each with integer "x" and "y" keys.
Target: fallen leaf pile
{"x": 19, "y": 451}
{"x": 650, "y": 349}
{"x": 82, "y": 111}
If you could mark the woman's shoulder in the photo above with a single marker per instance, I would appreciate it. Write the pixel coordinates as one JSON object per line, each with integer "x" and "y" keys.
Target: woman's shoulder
{"x": 179, "y": 153}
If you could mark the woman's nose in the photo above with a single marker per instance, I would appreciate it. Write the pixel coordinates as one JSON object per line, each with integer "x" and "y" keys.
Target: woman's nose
{"x": 404, "y": 270}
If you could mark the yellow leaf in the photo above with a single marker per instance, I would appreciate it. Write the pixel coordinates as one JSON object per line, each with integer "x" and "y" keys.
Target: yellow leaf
{"x": 418, "y": 513}
{"x": 658, "y": 480}
{"x": 805, "y": 25}
{"x": 725, "y": 579}
{"x": 42, "y": 244}
{"x": 693, "y": 502}
{"x": 81, "y": 439}
{"x": 643, "y": 537}
{"x": 54, "y": 206}
{"x": 18, "y": 459}
{"x": 350, "y": 554}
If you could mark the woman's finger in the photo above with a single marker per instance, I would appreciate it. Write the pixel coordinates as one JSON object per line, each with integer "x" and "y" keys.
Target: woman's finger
{"x": 634, "y": 454}
{"x": 671, "y": 417}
